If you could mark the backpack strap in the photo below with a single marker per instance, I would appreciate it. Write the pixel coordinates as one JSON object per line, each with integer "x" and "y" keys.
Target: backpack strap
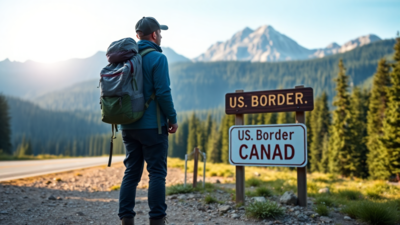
{"x": 113, "y": 126}
{"x": 153, "y": 96}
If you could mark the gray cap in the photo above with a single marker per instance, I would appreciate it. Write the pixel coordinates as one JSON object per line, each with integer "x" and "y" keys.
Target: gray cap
{"x": 148, "y": 25}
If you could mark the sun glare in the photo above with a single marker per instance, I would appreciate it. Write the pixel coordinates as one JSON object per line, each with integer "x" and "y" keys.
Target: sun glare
{"x": 54, "y": 32}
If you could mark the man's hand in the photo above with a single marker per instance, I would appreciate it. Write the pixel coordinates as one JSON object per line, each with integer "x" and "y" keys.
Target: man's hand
{"x": 172, "y": 128}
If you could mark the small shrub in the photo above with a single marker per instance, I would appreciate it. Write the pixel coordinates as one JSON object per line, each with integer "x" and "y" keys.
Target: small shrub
{"x": 263, "y": 191}
{"x": 312, "y": 187}
{"x": 325, "y": 200}
{"x": 213, "y": 174}
{"x": 78, "y": 174}
{"x": 373, "y": 212}
{"x": 322, "y": 210}
{"x": 350, "y": 194}
{"x": 179, "y": 189}
{"x": 264, "y": 210}
{"x": 253, "y": 182}
{"x": 373, "y": 194}
{"x": 210, "y": 199}
{"x": 250, "y": 194}
{"x": 58, "y": 179}
{"x": 115, "y": 187}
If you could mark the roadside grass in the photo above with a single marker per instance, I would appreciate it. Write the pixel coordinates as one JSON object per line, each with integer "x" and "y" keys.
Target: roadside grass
{"x": 263, "y": 191}
{"x": 344, "y": 192}
{"x": 32, "y": 157}
{"x": 210, "y": 199}
{"x": 181, "y": 189}
{"x": 264, "y": 210}
{"x": 115, "y": 187}
{"x": 322, "y": 210}
{"x": 373, "y": 212}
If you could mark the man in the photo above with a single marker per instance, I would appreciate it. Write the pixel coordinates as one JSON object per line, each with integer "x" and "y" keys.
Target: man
{"x": 142, "y": 139}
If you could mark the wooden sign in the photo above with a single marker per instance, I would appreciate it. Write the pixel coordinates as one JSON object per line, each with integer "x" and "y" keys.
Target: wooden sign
{"x": 268, "y": 145}
{"x": 284, "y": 100}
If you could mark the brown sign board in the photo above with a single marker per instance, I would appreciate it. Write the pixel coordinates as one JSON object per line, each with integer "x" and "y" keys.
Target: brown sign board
{"x": 283, "y": 100}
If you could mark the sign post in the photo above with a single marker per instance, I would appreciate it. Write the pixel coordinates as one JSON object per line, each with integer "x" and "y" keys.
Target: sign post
{"x": 301, "y": 171}
{"x": 269, "y": 145}
{"x": 195, "y": 169}
{"x": 240, "y": 197}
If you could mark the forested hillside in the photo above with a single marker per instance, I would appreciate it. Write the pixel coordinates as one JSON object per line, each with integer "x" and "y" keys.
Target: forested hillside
{"x": 203, "y": 85}
{"x": 52, "y": 132}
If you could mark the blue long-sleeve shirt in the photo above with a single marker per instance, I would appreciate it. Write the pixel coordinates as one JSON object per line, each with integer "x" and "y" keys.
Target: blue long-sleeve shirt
{"x": 155, "y": 79}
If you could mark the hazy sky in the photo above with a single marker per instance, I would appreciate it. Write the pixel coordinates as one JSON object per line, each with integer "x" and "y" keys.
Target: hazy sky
{"x": 44, "y": 30}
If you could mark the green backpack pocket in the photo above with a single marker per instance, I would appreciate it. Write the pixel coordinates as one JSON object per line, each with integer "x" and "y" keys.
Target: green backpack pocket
{"x": 118, "y": 110}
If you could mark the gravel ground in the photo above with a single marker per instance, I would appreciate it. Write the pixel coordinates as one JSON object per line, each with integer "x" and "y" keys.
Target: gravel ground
{"x": 85, "y": 197}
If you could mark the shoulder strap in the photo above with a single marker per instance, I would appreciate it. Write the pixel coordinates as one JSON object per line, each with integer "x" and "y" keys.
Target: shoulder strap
{"x": 146, "y": 51}
{"x": 113, "y": 126}
{"x": 153, "y": 96}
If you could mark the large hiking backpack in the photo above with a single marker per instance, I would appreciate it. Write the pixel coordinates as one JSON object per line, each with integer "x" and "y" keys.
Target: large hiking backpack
{"x": 121, "y": 83}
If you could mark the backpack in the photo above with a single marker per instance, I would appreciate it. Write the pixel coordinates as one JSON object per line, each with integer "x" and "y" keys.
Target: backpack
{"x": 121, "y": 83}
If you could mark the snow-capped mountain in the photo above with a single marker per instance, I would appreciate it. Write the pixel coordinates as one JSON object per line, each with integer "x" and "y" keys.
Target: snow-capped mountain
{"x": 266, "y": 44}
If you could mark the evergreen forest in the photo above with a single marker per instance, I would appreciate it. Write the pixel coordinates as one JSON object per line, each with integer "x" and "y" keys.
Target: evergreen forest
{"x": 354, "y": 129}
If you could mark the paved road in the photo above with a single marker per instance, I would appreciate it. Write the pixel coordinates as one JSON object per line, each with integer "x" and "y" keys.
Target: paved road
{"x": 10, "y": 170}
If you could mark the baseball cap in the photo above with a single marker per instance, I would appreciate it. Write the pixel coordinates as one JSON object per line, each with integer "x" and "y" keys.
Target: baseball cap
{"x": 148, "y": 25}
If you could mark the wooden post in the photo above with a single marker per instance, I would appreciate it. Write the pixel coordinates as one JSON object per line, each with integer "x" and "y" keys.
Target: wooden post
{"x": 301, "y": 171}
{"x": 196, "y": 160}
{"x": 239, "y": 169}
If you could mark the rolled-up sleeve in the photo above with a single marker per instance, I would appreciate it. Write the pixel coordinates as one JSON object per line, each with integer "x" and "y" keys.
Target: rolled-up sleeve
{"x": 162, "y": 88}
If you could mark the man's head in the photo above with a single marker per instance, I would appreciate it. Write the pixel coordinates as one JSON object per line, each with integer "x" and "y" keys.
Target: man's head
{"x": 149, "y": 29}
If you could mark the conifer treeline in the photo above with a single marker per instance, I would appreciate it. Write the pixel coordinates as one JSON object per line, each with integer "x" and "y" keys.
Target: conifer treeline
{"x": 359, "y": 137}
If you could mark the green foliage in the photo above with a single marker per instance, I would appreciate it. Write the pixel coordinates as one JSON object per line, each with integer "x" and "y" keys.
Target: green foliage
{"x": 373, "y": 212}
{"x": 264, "y": 210}
{"x": 390, "y": 141}
{"x": 5, "y": 128}
{"x": 325, "y": 200}
{"x": 350, "y": 194}
{"x": 322, "y": 210}
{"x": 376, "y": 113}
{"x": 179, "y": 189}
{"x": 341, "y": 157}
{"x": 210, "y": 199}
{"x": 253, "y": 182}
{"x": 321, "y": 120}
{"x": 263, "y": 191}
{"x": 115, "y": 187}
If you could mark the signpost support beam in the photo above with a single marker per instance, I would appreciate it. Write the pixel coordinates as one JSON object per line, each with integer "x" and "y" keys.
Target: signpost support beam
{"x": 195, "y": 169}
{"x": 240, "y": 197}
{"x": 301, "y": 171}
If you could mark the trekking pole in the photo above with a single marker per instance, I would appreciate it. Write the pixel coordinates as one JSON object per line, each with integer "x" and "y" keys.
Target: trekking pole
{"x": 204, "y": 170}
{"x": 186, "y": 157}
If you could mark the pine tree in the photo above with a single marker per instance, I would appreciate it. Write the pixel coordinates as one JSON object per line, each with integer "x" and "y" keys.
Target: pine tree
{"x": 321, "y": 120}
{"x": 213, "y": 147}
{"x": 269, "y": 118}
{"x": 227, "y": 122}
{"x": 390, "y": 142}
{"x": 340, "y": 143}
{"x": 376, "y": 114}
{"x": 192, "y": 137}
{"x": 5, "y": 130}
{"x": 282, "y": 118}
{"x": 359, "y": 104}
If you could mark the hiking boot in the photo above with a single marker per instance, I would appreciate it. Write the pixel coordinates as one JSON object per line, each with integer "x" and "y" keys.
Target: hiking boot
{"x": 128, "y": 221}
{"x": 161, "y": 221}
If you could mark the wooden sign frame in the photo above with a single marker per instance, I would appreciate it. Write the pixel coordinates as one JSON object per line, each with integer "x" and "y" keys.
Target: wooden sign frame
{"x": 300, "y": 118}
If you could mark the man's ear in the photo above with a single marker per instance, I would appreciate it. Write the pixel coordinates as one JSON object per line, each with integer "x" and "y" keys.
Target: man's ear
{"x": 137, "y": 36}
{"x": 154, "y": 35}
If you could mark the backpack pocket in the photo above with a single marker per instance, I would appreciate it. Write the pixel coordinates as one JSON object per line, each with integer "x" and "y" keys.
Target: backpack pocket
{"x": 117, "y": 110}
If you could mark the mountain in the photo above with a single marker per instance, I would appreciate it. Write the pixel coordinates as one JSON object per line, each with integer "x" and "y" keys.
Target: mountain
{"x": 266, "y": 44}
{"x": 202, "y": 85}
{"x": 32, "y": 79}
{"x": 173, "y": 57}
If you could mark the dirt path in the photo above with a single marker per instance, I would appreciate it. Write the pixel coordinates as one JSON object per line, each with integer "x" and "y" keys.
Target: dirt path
{"x": 84, "y": 197}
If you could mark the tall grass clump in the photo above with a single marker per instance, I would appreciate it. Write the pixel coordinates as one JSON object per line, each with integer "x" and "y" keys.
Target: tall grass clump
{"x": 253, "y": 182}
{"x": 210, "y": 199}
{"x": 264, "y": 210}
{"x": 263, "y": 191}
{"x": 179, "y": 189}
{"x": 325, "y": 200}
{"x": 322, "y": 210}
{"x": 350, "y": 194}
{"x": 373, "y": 212}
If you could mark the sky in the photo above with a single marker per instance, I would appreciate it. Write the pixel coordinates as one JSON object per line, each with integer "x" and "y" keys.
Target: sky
{"x": 49, "y": 30}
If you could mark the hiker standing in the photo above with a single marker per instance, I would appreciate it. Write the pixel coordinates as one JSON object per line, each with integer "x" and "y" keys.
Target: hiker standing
{"x": 147, "y": 138}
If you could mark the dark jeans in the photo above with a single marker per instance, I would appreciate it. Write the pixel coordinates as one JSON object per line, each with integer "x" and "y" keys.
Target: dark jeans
{"x": 144, "y": 145}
